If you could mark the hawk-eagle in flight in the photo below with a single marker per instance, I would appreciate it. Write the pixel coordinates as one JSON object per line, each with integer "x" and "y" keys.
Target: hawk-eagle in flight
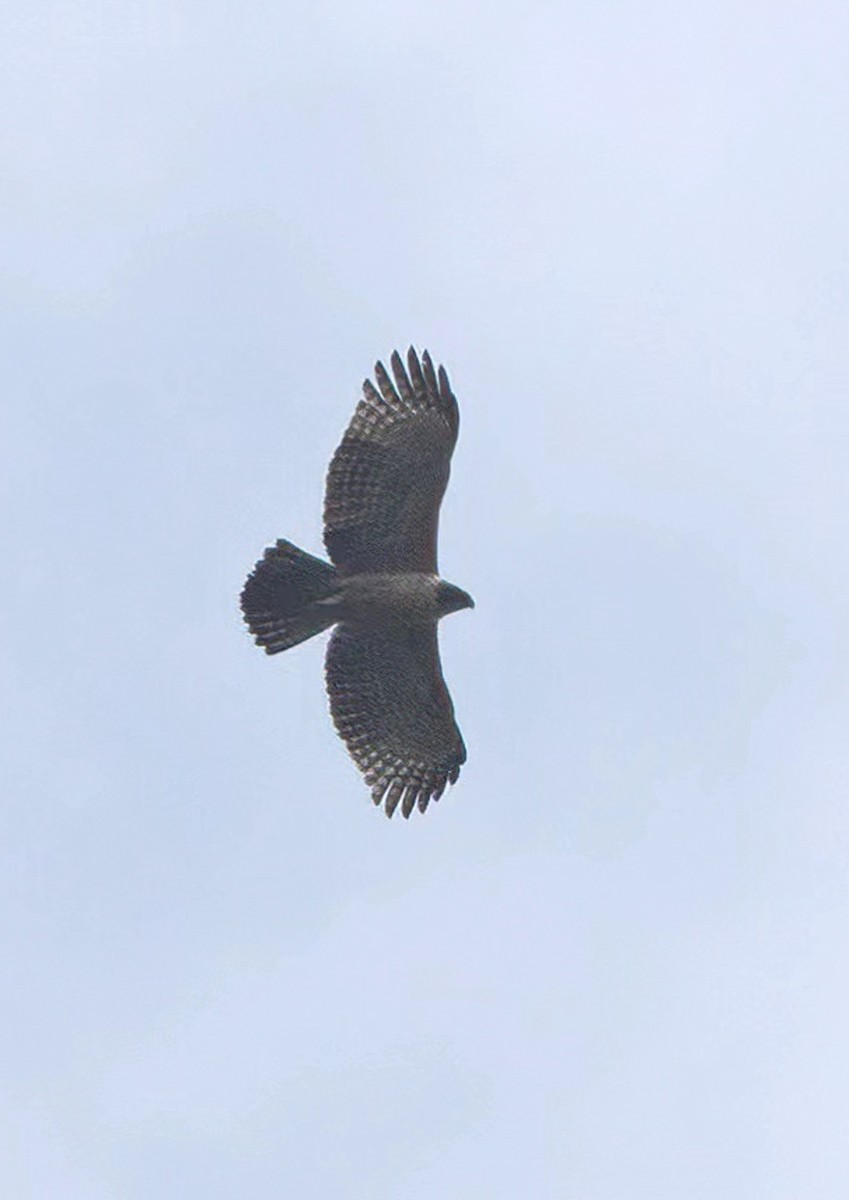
{"x": 382, "y": 592}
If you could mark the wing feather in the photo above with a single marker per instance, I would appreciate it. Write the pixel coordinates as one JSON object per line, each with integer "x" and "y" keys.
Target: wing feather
{"x": 393, "y": 710}
{"x": 388, "y": 476}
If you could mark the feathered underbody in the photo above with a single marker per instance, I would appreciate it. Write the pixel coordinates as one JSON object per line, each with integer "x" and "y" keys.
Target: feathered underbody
{"x": 413, "y": 598}
{"x": 381, "y": 591}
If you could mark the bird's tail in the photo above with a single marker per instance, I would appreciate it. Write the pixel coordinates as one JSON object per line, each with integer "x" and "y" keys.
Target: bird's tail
{"x": 285, "y": 598}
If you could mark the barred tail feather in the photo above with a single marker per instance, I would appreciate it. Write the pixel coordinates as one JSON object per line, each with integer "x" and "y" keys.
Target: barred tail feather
{"x": 284, "y": 598}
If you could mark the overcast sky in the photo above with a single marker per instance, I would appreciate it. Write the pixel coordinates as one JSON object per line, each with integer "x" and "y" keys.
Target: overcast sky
{"x": 611, "y": 963}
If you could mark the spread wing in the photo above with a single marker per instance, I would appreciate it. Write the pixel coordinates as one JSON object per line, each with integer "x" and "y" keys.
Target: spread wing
{"x": 389, "y": 474}
{"x": 392, "y": 708}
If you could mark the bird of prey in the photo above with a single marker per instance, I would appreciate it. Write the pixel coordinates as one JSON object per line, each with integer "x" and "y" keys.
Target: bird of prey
{"x": 381, "y": 589}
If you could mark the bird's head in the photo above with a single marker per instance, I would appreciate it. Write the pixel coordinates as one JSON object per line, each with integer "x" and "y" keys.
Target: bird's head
{"x": 450, "y": 598}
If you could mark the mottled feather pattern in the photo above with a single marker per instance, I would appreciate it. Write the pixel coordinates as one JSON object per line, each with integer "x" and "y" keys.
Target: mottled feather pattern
{"x": 388, "y": 476}
{"x": 392, "y": 709}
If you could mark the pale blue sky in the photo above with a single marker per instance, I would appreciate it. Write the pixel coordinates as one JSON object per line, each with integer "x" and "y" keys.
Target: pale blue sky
{"x": 611, "y": 963}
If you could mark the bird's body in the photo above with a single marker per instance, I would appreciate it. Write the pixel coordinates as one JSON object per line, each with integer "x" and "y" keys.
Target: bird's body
{"x": 377, "y": 598}
{"x": 382, "y": 590}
